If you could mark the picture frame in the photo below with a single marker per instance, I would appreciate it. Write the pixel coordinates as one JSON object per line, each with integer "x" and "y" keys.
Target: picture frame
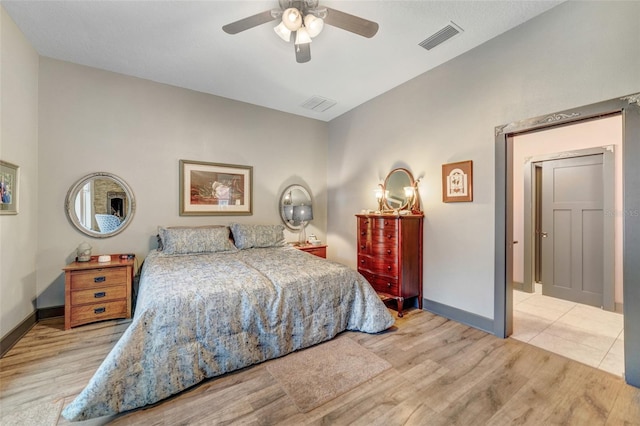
{"x": 209, "y": 189}
{"x": 9, "y": 185}
{"x": 457, "y": 182}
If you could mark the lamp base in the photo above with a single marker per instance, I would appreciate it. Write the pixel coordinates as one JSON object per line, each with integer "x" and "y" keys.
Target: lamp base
{"x": 302, "y": 237}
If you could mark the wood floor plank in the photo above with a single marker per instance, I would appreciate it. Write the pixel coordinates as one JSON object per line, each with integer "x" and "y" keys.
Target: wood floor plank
{"x": 443, "y": 373}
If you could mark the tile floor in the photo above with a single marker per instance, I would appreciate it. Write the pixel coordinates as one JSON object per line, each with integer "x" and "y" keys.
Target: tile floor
{"x": 583, "y": 333}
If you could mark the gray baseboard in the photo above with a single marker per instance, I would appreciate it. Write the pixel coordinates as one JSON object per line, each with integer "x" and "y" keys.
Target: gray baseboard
{"x": 12, "y": 337}
{"x": 464, "y": 317}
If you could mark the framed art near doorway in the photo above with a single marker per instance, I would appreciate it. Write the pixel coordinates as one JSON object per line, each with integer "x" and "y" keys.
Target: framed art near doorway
{"x": 457, "y": 182}
{"x": 9, "y": 174}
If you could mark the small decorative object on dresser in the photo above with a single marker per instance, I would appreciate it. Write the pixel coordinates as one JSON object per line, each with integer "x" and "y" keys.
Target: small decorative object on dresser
{"x": 97, "y": 291}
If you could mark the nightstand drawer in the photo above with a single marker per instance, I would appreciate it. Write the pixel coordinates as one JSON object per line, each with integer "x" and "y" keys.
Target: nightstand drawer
{"x": 98, "y": 311}
{"x": 318, "y": 251}
{"x": 98, "y": 295}
{"x": 98, "y": 278}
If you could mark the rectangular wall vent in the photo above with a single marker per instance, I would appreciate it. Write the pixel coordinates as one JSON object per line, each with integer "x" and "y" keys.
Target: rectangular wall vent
{"x": 318, "y": 103}
{"x": 441, "y": 36}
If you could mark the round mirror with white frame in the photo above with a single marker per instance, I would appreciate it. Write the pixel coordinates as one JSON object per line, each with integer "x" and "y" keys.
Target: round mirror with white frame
{"x": 100, "y": 205}
{"x": 293, "y": 195}
{"x": 396, "y": 197}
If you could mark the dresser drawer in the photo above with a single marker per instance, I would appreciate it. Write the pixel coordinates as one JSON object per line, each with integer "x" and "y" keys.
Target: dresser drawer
{"x": 384, "y": 224}
{"x": 384, "y": 250}
{"x": 98, "y": 295}
{"x": 383, "y": 284}
{"x": 98, "y": 278}
{"x": 98, "y": 311}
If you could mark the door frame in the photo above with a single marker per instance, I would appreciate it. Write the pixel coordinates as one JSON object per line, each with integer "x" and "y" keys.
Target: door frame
{"x": 629, "y": 107}
{"x": 608, "y": 177}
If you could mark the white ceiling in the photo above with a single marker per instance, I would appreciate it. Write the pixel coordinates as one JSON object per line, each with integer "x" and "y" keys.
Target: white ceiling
{"x": 181, "y": 43}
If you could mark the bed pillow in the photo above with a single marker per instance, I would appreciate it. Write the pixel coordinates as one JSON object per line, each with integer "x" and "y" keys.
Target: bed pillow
{"x": 187, "y": 240}
{"x": 250, "y": 236}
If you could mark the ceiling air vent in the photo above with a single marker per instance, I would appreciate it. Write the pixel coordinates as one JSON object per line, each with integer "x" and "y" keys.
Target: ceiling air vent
{"x": 441, "y": 36}
{"x": 318, "y": 104}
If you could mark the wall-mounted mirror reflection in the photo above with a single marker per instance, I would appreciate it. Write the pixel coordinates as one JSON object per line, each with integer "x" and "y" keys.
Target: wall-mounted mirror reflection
{"x": 295, "y": 196}
{"x": 100, "y": 205}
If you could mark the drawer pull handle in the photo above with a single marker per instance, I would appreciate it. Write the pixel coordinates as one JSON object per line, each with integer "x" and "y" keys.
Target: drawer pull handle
{"x": 362, "y": 247}
{"x": 388, "y": 269}
{"x": 389, "y": 236}
{"x": 99, "y": 279}
{"x": 99, "y": 310}
{"x": 388, "y": 285}
{"x": 362, "y": 261}
{"x": 389, "y": 251}
{"x": 99, "y": 294}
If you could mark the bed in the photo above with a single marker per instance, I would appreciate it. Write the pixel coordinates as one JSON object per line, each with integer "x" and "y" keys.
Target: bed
{"x": 207, "y": 306}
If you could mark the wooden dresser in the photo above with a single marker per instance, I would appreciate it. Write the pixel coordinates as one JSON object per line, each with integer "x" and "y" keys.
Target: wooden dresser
{"x": 96, "y": 291}
{"x": 390, "y": 255}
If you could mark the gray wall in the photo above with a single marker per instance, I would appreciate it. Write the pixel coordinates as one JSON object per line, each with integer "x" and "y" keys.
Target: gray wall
{"x": 93, "y": 120}
{"x": 576, "y": 54}
{"x": 18, "y": 145}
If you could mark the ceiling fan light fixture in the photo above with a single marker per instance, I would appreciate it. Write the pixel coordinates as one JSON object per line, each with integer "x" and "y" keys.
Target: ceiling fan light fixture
{"x": 292, "y": 19}
{"x": 313, "y": 24}
{"x": 283, "y": 32}
{"x": 302, "y": 36}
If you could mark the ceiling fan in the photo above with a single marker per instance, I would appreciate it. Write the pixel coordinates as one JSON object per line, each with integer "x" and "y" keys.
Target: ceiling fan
{"x": 306, "y": 19}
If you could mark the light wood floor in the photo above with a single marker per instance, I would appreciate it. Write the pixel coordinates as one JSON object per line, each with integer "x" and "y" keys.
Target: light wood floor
{"x": 444, "y": 373}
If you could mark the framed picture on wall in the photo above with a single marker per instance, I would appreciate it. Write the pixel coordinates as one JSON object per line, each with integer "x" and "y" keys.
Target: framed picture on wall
{"x": 9, "y": 176}
{"x": 457, "y": 182}
{"x": 215, "y": 189}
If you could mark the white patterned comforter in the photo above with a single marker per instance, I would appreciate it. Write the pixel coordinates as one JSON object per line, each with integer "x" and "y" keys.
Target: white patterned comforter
{"x": 199, "y": 316}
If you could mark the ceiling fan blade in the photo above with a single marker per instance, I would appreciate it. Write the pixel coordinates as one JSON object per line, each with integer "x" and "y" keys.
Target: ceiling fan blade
{"x": 249, "y": 22}
{"x": 303, "y": 52}
{"x": 351, "y": 23}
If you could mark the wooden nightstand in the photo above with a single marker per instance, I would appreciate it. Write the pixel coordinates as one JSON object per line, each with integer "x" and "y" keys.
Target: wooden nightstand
{"x": 96, "y": 291}
{"x": 320, "y": 251}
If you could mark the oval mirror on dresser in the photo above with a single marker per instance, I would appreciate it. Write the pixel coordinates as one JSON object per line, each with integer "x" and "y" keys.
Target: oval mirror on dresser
{"x": 100, "y": 205}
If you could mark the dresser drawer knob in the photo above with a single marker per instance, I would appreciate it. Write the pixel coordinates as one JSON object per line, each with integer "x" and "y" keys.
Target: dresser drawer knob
{"x": 99, "y": 310}
{"x": 362, "y": 247}
{"x": 389, "y": 236}
{"x": 99, "y": 294}
{"x": 362, "y": 261}
{"x": 389, "y": 251}
{"x": 99, "y": 279}
{"x": 388, "y": 269}
{"x": 388, "y": 285}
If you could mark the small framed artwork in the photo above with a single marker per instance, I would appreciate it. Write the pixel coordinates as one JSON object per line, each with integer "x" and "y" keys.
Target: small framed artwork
{"x": 215, "y": 189}
{"x": 457, "y": 182}
{"x": 9, "y": 179}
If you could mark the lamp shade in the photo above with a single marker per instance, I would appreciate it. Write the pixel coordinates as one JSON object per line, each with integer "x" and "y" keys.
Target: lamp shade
{"x": 283, "y": 32}
{"x": 292, "y": 19}
{"x": 302, "y": 213}
{"x": 288, "y": 212}
{"x": 313, "y": 24}
{"x": 302, "y": 36}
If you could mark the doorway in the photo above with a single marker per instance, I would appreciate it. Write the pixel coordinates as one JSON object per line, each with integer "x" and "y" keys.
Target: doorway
{"x": 629, "y": 108}
{"x": 570, "y": 244}
{"x": 565, "y": 197}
